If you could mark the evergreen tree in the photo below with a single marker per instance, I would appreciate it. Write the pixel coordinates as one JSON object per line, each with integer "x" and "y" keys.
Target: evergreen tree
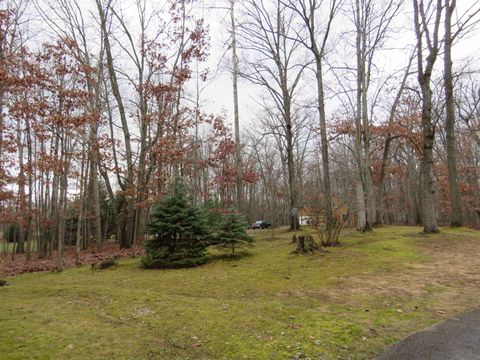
{"x": 180, "y": 233}
{"x": 232, "y": 233}
{"x": 214, "y": 215}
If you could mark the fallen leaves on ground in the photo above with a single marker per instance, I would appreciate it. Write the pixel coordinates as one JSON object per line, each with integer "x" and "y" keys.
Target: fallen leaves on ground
{"x": 19, "y": 265}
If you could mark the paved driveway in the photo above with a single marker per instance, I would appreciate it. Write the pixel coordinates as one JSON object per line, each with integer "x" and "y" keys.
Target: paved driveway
{"x": 454, "y": 339}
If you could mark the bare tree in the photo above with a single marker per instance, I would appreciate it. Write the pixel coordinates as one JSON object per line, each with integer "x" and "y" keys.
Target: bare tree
{"x": 316, "y": 42}
{"x": 267, "y": 32}
{"x": 372, "y": 23}
{"x": 390, "y": 136}
{"x": 127, "y": 221}
{"x": 427, "y": 34}
{"x": 464, "y": 24}
{"x": 238, "y": 148}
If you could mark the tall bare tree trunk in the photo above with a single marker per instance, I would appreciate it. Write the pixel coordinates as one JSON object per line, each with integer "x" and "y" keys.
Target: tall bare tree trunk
{"x": 424, "y": 73}
{"x": 327, "y": 188}
{"x": 21, "y": 191}
{"x": 31, "y": 175}
{"x": 307, "y": 11}
{"x": 292, "y": 181}
{"x": 97, "y": 216}
{"x": 126, "y": 236}
{"x": 53, "y": 210}
{"x": 62, "y": 203}
{"x": 411, "y": 190}
{"x": 386, "y": 149}
{"x": 428, "y": 185}
{"x": 456, "y": 216}
{"x": 78, "y": 235}
{"x": 361, "y": 184}
{"x": 238, "y": 149}
{"x": 367, "y": 172}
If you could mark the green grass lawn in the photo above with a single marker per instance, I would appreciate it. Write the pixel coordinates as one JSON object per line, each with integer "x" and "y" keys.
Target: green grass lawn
{"x": 347, "y": 303}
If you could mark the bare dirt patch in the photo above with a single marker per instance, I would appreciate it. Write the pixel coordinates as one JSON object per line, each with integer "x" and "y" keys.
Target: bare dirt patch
{"x": 449, "y": 280}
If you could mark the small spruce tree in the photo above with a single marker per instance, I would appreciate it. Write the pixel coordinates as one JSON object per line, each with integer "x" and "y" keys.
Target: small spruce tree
{"x": 232, "y": 233}
{"x": 180, "y": 233}
{"x": 213, "y": 213}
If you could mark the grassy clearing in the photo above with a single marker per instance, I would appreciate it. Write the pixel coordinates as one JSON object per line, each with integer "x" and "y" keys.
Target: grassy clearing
{"x": 347, "y": 303}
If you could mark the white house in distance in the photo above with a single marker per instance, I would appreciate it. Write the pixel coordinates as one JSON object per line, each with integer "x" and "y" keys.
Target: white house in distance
{"x": 306, "y": 217}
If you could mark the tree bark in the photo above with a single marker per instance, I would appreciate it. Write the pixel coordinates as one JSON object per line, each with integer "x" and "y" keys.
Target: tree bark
{"x": 21, "y": 191}
{"x": 97, "y": 215}
{"x": 386, "y": 149}
{"x": 361, "y": 185}
{"x": 62, "y": 203}
{"x": 238, "y": 149}
{"x": 126, "y": 237}
{"x": 456, "y": 214}
{"x": 424, "y": 79}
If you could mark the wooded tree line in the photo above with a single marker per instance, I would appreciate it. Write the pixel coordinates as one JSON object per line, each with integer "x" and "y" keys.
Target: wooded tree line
{"x": 394, "y": 147}
{"x": 102, "y": 109}
{"x": 96, "y": 122}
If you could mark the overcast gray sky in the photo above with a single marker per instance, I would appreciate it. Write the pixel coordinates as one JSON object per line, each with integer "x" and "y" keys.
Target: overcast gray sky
{"x": 217, "y": 95}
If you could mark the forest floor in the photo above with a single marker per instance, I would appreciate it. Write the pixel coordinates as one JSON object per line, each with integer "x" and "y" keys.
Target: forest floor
{"x": 347, "y": 303}
{"x": 18, "y": 265}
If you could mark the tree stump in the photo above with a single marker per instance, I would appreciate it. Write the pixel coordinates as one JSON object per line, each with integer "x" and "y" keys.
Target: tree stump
{"x": 305, "y": 243}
